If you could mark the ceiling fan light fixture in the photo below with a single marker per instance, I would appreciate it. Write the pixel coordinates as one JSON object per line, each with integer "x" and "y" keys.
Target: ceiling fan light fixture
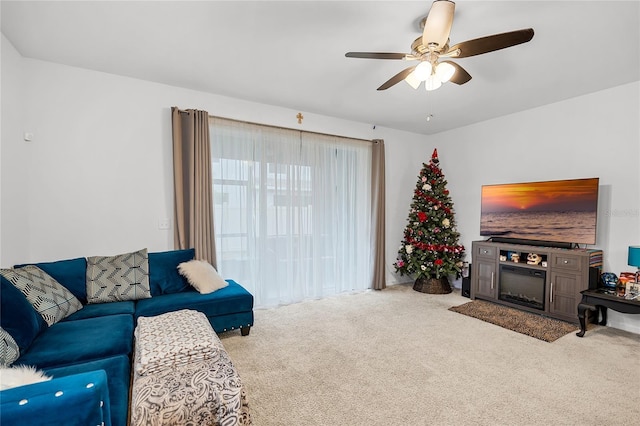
{"x": 412, "y": 80}
{"x": 444, "y": 71}
{"x": 432, "y": 83}
{"x": 423, "y": 71}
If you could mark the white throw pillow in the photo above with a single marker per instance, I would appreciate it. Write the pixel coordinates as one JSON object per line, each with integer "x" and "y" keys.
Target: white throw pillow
{"x": 20, "y": 376}
{"x": 202, "y": 276}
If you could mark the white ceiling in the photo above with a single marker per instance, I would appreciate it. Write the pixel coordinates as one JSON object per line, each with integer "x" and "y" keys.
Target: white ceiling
{"x": 291, "y": 53}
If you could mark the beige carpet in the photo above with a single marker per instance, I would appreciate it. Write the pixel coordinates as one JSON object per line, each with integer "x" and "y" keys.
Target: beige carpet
{"x": 543, "y": 328}
{"x": 399, "y": 357}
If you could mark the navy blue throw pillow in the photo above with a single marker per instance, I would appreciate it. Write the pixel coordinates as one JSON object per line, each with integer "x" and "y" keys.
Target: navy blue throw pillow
{"x": 17, "y": 316}
{"x": 163, "y": 271}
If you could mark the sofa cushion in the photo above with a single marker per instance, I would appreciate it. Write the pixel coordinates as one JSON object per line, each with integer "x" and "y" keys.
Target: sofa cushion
{"x": 17, "y": 316}
{"x": 71, "y": 342}
{"x": 117, "y": 369}
{"x": 76, "y": 400}
{"x": 202, "y": 276}
{"x": 115, "y": 278}
{"x": 9, "y": 350}
{"x": 103, "y": 309}
{"x": 71, "y": 273}
{"x": 231, "y": 299}
{"x": 53, "y": 301}
{"x": 163, "y": 271}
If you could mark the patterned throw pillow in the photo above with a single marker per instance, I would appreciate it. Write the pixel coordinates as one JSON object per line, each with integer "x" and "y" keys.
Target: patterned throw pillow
{"x": 9, "y": 350}
{"x": 117, "y": 278}
{"x": 47, "y": 296}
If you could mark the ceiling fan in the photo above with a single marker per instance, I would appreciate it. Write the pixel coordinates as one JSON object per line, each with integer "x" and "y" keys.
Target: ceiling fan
{"x": 433, "y": 46}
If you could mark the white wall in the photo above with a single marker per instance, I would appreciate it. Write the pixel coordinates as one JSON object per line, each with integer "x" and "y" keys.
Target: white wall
{"x": 13, "y": 207}
{"x": 96, "y": 178}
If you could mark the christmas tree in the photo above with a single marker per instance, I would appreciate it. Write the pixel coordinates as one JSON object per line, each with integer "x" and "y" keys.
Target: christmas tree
{"x": 430, "y": 248}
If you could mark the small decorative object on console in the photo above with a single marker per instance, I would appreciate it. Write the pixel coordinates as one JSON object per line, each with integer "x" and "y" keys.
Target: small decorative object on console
{"x": 632, "y": 292}
{"x": 609, "y": 279}
{"x": 631, "y": 287}
{"x": 515, "y": 257}
{"x": 628, "y": 276}
{"x": 533, "y": 259}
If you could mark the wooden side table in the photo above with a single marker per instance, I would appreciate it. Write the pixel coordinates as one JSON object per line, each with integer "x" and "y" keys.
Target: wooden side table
{"x": 598, "y": 301}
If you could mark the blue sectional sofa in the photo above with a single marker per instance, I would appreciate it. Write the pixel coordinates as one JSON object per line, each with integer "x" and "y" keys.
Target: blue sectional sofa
{"x": 88, "y": 353}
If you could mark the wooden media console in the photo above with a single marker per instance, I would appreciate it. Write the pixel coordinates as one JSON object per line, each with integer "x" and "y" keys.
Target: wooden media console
{"x": 550, "y": 284}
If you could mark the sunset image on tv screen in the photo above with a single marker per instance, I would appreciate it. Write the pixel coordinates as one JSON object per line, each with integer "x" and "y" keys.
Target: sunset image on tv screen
{"x": 562, "y": 211}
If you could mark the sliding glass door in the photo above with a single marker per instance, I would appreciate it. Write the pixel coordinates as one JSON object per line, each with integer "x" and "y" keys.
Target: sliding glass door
{"x": 292, "y": 211}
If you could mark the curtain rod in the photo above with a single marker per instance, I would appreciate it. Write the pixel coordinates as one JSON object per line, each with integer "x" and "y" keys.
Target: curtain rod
{"x": 289, "y": 128}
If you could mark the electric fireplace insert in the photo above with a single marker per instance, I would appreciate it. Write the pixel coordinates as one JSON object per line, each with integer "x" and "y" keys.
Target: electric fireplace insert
{"x": 522, "y": 286}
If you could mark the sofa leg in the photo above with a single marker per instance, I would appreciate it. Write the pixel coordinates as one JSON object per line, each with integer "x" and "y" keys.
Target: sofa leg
{"x": 245, "y": 331}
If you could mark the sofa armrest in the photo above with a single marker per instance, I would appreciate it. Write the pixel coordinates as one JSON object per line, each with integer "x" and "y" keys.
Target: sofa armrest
{"x": 78, "y": 399}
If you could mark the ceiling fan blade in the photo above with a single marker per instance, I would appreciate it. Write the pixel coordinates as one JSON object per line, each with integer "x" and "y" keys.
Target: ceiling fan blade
{"x": 460, "y": 76}
{"x": 374, "y": 55}
{"x": 438, "y": 24}
{"x": 396, "y": 78}
{"x": 491, "y": 43}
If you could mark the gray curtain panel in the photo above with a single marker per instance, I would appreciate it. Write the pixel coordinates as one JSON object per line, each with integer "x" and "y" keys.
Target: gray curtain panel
{"x": 193, "y": 184}
{"x": 378, "y": 214}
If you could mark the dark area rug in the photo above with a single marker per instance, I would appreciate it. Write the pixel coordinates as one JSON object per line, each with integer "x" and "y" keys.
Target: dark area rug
{"x": 543, "y": 328}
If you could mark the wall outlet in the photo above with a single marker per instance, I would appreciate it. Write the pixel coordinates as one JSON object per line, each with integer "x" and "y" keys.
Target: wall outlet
{"x": 164, "y": 224}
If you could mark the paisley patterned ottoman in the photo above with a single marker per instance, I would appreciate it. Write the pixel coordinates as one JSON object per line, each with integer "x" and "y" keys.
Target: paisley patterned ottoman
{"x": 183, "y": 375}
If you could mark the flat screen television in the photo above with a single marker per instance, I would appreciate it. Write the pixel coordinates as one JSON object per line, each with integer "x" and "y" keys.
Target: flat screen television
{"x": 559, "y": 212}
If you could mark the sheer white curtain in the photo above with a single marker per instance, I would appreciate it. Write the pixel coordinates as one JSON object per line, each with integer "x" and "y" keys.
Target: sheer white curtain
{"x": 292, "y": 211}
